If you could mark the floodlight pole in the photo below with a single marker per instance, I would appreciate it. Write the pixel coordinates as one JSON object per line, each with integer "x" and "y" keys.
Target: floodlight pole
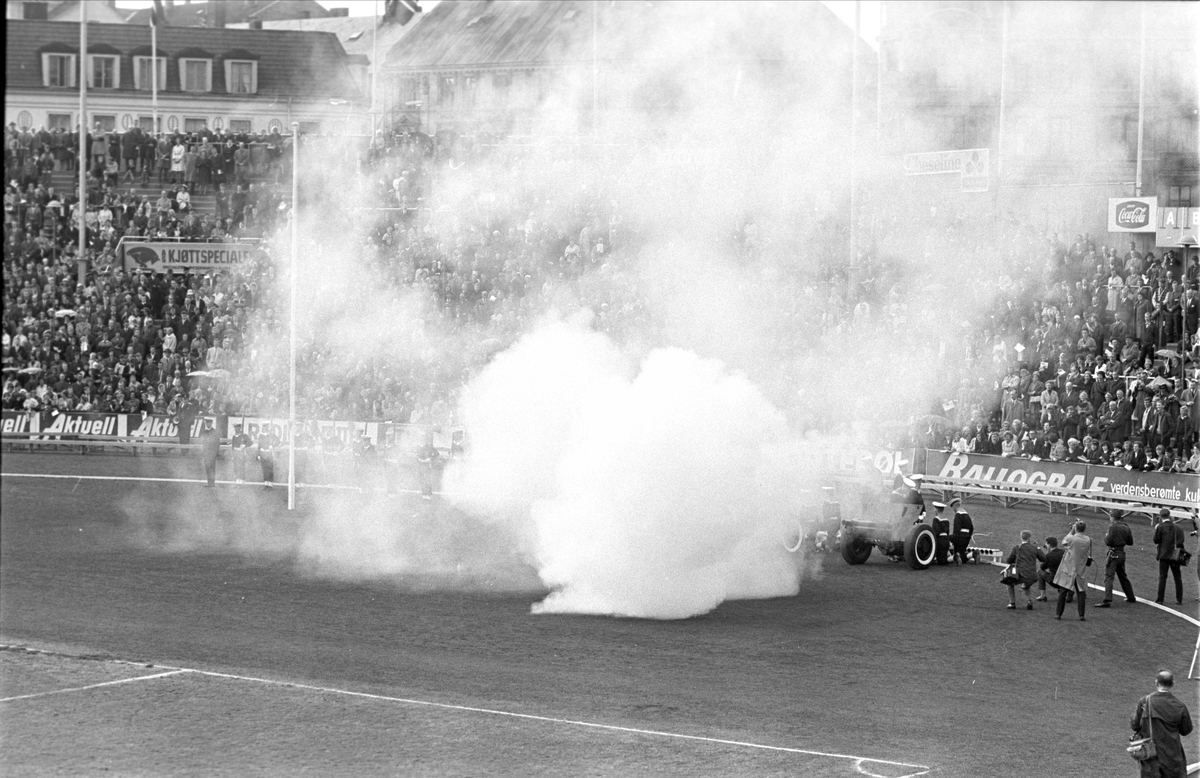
{"x": 292, "y": 317}
{"x": 81, "y": 206}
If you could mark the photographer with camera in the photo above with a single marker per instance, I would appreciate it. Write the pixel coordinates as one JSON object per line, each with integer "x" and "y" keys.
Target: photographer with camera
{"x": 1077, "y": 556}
{"x": 1117, "y": 538}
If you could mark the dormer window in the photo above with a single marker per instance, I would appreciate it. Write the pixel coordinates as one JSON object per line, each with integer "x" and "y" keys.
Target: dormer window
{"x": 59, "y": 65}
{"x": 195, "y": 70}
{"x": 241, "y": 72}
{"x": 143, "y": 76}
{"x": 104, "y": 71}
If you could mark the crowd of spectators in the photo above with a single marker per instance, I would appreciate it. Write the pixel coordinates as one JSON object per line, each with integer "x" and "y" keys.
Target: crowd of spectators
{"x": 1077, "y": 356}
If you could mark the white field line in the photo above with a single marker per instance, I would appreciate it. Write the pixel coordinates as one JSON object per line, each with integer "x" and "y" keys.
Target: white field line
{"x": 858, "y": 760}
{"x": 1140, "y": 601}
{"x": 93, "y": 686}
{"x": 280, "y": 485}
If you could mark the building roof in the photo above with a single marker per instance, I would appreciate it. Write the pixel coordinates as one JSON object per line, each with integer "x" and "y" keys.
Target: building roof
{"x": 301, "y": 65}
{"x": 200, "y": 14}
{"x": 524, "y": 33}
{"x": 354, "y": 32}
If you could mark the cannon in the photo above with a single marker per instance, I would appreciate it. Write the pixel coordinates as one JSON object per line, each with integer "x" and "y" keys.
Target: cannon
{"x": 895, "y": 526}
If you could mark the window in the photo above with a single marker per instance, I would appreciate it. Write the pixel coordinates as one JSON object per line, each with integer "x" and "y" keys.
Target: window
{"x": 309, "y": 128}
{"x": 58, "y": 69}
{"x": 195, "y": 75}
{"x": 241, "y": 77}
{"x": 501, "y": 86}
{"x": 57, "y": 121}
{"x": 143, "y": 76}
{"x": 409, "y": 91}
{"x": 104, "y": 73}
{"x": 239, "y": 125}
{"x": 1181, "y": 135}
{"x": 194, "y": 125}
{"x": 147, "y": 124}
{"x": 446, "y": 86}
{"x": 104, "y": 122}
{"x": 1181, "y": 196}
{"x": 469, "y": 86}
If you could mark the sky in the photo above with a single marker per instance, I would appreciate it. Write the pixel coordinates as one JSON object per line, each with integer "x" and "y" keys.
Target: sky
{"x": 869, "y": 20}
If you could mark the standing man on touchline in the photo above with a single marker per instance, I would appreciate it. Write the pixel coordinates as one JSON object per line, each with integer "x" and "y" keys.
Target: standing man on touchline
{"x": 1168, "y": 537}
{"x": 210, "y": 443}
{"x": 1117, "y": 538}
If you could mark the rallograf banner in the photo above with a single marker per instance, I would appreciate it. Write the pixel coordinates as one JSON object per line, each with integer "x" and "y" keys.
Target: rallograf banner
{"x": 1107, "y": 481}
{"x": 160, "y": 257}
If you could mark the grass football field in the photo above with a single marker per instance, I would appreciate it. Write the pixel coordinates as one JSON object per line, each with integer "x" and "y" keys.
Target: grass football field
{"x": 137, "y": 645}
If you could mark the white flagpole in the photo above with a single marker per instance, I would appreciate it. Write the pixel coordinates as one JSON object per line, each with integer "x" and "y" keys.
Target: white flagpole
{"x": 154, "y": 73}
{"x": 81, "y": 207}
{"x": 1137, "y": 180}
{"x": 292, "y": 317}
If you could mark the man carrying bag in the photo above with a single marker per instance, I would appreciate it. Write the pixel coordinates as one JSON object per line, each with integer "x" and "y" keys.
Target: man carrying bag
{"x": 1159, "y": 723}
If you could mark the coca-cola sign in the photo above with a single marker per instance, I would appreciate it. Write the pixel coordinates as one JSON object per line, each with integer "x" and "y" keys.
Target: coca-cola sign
{"x": 1131, "y": 214}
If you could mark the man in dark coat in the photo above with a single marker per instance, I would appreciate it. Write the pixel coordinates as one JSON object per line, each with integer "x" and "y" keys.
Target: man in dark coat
{"x": 961, "y": 532}
{"x": 267, "y": 443}
{"x": 211, "y": 446}
{"x": 240, "y": 443}
{"x": 1169, "y": 539}
{"x": 1117, "y": 538}
{"x": 1162, "y": 716}
{"x": 1049, "y": 566}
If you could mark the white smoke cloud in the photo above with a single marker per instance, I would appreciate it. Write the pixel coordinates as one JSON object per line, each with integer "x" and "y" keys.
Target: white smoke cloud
{"x": 656, "y": 492}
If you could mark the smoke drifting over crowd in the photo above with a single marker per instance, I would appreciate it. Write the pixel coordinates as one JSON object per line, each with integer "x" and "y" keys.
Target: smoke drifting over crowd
{"x": 649, "y": 430}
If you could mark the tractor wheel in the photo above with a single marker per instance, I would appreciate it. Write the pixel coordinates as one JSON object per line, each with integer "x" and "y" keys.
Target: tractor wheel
{"x": 855, "y": 550}
{"x": 919, "y": 547}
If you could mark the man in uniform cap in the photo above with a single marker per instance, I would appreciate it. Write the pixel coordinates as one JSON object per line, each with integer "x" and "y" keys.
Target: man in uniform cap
{"x": 961, "y": 532}
{"x": 1117, "y": 538}
{"x": 941, "y": 534}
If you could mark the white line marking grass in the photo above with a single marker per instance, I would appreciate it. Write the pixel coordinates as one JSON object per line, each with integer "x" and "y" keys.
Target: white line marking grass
{"x": 94, "y": 686}
{"x": 147, "y": 479}
{"x": 859, "y": 761}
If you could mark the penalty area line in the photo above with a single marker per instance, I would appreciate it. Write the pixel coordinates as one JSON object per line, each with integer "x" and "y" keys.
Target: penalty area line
{"x": 93, "y": 686}
{"x": 858, "y": 760}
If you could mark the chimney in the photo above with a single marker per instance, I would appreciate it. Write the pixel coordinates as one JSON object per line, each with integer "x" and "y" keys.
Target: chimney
{"x": 217, "y": 8}
{"x": 339, "y": 12}
{"x": 35, "y": 10}
{"x": 256, "y": 24}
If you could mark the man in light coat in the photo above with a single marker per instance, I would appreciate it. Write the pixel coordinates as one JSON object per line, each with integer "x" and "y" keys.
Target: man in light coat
{"x": 1077, "y": 552}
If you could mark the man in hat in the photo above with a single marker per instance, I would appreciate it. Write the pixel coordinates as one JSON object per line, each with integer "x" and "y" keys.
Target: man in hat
{"x": 961, "y": 531}
{"x": 1117, "y": 538}
{"x": 941, "y": 534}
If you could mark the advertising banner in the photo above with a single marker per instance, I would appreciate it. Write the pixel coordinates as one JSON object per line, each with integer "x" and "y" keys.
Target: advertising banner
{"x": 69, "y": 425}
{"x": 1177, "y": 227}
{"x": 158, "y": 257}
{"x": 19, "y": 422}
{"x": 344, "y": 430}
{"x": 1132, "y": 214}
{"x": 1106, "y": 481}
